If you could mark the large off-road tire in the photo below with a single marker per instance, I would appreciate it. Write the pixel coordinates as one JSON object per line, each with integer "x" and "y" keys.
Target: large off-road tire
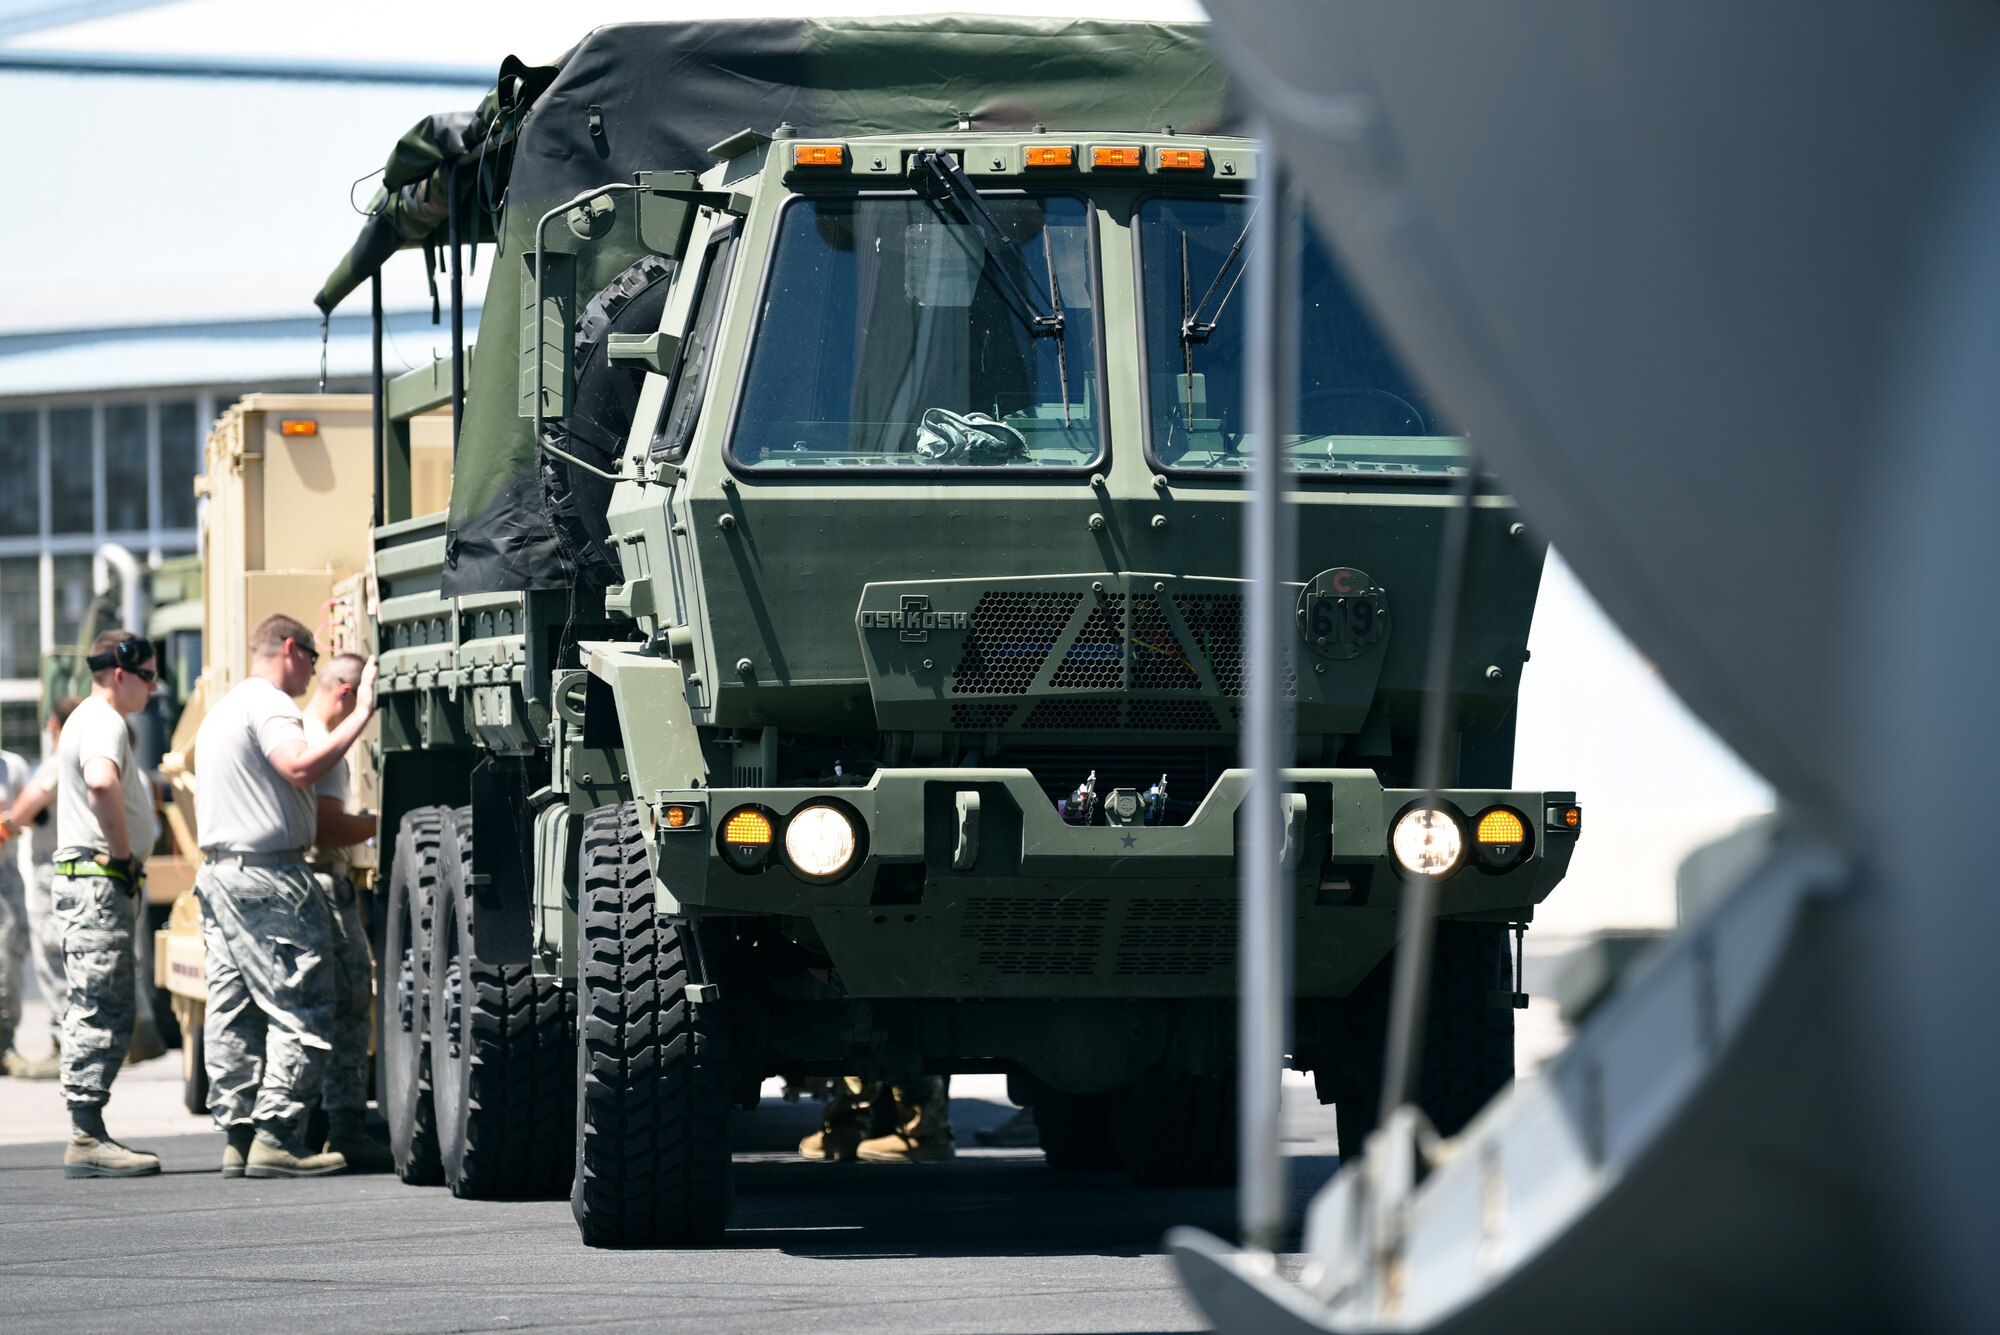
{"x": 502, "y": 1053}
{"x": 652, "y": 1120}
{"x": 1177, "y": 1131}
{"x": 1468, "y": 1053}
{"x": 402, "y": 1054}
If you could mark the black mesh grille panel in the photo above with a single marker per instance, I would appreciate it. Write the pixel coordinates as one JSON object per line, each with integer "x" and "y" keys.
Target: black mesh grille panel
{"x": 1095, "y": 660}
{"x": 1215, "y": 621}
{"x": 981, "y": 716}
{"x": 1171, "y": 716}
{"x": 1012, "y": 635}
{"x": 1159, "y": 660}
{"x": 1080, "y": 715}
{"x": 1036, "y": 936}
{"x": 1176, "y": 938}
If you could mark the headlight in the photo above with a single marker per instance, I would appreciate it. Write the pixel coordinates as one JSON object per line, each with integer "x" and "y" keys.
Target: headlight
{"x": 1428, "y": 842}
{"x": 819, "y": 842}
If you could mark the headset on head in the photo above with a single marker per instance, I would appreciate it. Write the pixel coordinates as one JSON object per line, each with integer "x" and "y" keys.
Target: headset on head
{"x": 133, "y": 651}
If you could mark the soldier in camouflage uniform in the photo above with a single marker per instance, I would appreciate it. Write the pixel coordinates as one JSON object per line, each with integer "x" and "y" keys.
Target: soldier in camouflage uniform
{"x": 29, "y": 817}
{"x": 104, "y": 820}
{"x": 16, "y": 933}
{"x": 269, "y": 935}
{"x": 913, "y": 1115}
{"x": 344, "y": 1092}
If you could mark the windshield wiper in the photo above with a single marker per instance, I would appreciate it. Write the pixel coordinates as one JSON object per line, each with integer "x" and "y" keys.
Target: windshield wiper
{"x": 938, "y": 175}
{"x": 1194, "y": 329}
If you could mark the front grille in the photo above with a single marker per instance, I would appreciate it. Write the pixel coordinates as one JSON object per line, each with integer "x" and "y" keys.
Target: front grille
{"x": 1073, "y": 716}
{"x": 1160, "y": 661}
{"x": 1215, "y": 620}
{"x": 1024, "y": 937}
{"x": 1176, "y": 938}
{"x": 1171, "y": 716}
{"x": 1095, "y": 660}
{"x": 981, "y": 715}
{"x": 1012, "y": 635}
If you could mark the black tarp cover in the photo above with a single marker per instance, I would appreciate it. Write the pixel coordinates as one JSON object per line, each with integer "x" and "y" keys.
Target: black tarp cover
{"x": 664, "y": 93}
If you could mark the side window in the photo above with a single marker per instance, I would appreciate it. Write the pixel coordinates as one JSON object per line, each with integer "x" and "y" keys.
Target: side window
{"x": 691, "y": 374}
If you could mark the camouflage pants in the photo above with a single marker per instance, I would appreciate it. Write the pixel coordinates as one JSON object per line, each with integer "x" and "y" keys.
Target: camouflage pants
{"x": 16, "y": 936}
{"x": 919, "y": 1107}
{"x": 97, "y": 916}
{"x": 45, "y": 949}
{"x": 346, "y": 1083}
{"x": 270, "y": 993}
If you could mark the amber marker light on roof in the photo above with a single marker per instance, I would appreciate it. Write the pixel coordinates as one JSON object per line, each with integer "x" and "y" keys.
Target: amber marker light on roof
{"x": 298, "y": 426}
{"x": 1114, "y": 157}
{"x": 819, "y": 155}
{"x": 1183, "y": 159}
{"x": 1051, "y": 155}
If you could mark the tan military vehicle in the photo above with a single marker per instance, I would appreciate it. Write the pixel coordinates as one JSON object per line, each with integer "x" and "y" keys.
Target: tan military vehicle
{"x": 289, "y": 488}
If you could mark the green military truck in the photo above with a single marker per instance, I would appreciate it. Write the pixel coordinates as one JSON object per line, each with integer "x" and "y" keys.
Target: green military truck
{"x": 832, "y": 659}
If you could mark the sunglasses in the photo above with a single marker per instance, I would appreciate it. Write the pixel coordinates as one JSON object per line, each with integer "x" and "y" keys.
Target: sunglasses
{"x": 145, "y": 674}
{"x": 312, "y": 655}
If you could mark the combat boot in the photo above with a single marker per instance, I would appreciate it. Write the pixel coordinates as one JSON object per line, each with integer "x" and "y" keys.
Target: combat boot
{"x": 236, "y": 1151}
{"x": 45, "y": 1067}
{"x": 93, "y": 1153}
{"x": 923, "y": 1129}
{"x": 347, "y": 1135}
{"x": 830, "y": 1145}
{"x": 267, "y": 1158}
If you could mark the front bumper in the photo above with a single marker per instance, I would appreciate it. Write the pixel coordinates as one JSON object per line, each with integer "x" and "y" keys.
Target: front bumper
{"x": 1040, "y": 908}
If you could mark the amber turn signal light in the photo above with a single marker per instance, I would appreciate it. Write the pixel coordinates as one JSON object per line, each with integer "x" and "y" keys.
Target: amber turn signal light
{"x": 819, "y": 155}
{"x": 746, "y": 838}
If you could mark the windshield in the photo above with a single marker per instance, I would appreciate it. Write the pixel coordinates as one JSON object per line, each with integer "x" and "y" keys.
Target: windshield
{"x": 896, "y": 333}
{"x": 1357, "y": 411}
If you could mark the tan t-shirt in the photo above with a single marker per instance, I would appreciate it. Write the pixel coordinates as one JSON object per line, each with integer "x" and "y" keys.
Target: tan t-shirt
{"x": 240, "y": 802}
{"x": 96, "y": 731}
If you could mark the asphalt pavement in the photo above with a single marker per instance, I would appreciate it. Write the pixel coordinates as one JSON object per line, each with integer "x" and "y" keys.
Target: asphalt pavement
{"x": 989, "y": 1242}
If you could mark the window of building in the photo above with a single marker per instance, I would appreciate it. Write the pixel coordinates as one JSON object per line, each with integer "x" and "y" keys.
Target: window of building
{"x": 20, "y": 616}
{"x": 180, "y": 460}
{"x": 72, "y": 484}
{"x": 71, "y": 576}
{"x": 21, "y": 728}
{"x": 126, "y": 471}
{"x": 20, "y": 465}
